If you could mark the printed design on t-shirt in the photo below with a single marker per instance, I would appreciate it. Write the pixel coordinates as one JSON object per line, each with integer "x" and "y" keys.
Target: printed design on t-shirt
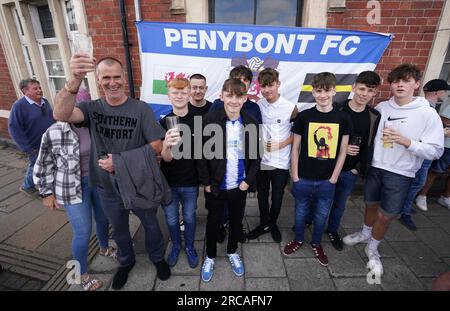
{"x": 323, "y": 140}
{"x": 114, "y": 127}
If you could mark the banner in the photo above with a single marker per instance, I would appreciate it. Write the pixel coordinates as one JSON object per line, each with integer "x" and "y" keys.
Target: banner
{"x": 171, "y": 50}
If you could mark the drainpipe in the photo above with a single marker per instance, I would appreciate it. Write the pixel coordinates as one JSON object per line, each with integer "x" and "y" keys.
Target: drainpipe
{"x": 126, "y": 45}
{"x": 137, "y": 10}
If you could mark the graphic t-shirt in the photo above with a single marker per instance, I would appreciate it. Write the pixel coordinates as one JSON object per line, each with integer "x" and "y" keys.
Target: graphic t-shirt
{"x": 321, "y": 139}
{"x": 115, "y": 129}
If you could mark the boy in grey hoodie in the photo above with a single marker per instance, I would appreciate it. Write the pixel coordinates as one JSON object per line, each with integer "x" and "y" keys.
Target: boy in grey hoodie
{"x": 409, "y": 131}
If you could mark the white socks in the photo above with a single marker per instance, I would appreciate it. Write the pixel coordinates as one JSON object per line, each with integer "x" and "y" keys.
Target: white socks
{"x": 366, "y": 231}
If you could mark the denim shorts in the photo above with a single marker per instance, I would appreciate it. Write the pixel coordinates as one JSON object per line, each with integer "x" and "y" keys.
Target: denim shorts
{"x": 441, "y": 165}
{"x": 387, "y": 188}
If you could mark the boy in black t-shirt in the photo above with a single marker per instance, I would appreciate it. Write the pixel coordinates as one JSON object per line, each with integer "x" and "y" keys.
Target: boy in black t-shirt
{"x": 365, "y": 122}
{"x": 179, "y": 168}
{"x": 318, "y": 154}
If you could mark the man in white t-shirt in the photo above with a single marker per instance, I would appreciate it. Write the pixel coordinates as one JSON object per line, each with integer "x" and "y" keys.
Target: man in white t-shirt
{"x": 277, "y": 113}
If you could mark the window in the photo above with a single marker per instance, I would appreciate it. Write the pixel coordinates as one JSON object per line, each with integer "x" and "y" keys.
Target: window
{"x": 258, "y": 12}
{"x": 445, "y": 72}
{"x": 25, "y": 51}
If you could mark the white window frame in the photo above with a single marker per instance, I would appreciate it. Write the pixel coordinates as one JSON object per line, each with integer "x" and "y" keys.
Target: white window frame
{"x": 23, "y": 44}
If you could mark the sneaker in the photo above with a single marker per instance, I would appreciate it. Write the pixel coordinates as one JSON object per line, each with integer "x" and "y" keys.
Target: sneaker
{"x": 320, "y": 254}
{"x": 336, "y": 240}
{"x": 162, "y": 270}
{"x": 173, "y": 256}
{"x": 192, "y": 257}
{"x": 258, "y": 231}
{"x": 407, "y": 221}
{"x": 222, "y": 233}
{"x": 421, "y": 202}
{"x": 243, "y": 237}
{"x": 236, "y": 264}
{"x": 31, "y": 192}
{"x": 292, "y": 247}
{"x": 374, "y": 264}
{"x": 121, "y": 276}
{"x": 208, "y": 269}
{"x": 355, "y": 238}
{"x": 276, "y": 234}
{"x": 444, "y": 201}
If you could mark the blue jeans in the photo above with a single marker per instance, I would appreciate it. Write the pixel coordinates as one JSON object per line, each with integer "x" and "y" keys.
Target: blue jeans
{"x": 344, "y": 187}
{"x": 416, "y": 186}
{"x": 188, "y": 198}
{"x": 305, "y": 192}
{"x": 80, "y": 218}
{"x": 28, "y": 180}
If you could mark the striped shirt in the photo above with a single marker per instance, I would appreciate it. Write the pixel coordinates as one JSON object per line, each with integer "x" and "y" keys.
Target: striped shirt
{"x": 57, "y": 169}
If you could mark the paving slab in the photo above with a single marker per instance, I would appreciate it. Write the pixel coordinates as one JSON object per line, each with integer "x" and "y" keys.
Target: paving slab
{"x": 38, "y": 231}
{"x": 307, "y": 274}
{"x": 263, "y": 260}
{"x": 442, "y": 221}
{"x": 345, "y": 263}
{"x": 355, "y": 284}
{"x": 179, "y": 283}
{"x": 419, "y": 258}
{"x": 437, "y": 239}
{"x": 422, "y": 221}
{"x": 14, "y": 202}
{"x": 385, "y": 249}
{"x": 397, "y": 277}
{"x": 59, "y": 244}
{"x": 398, "y": 232}
{"x": 427, "y": 283}
{"x": 266, "y": 284}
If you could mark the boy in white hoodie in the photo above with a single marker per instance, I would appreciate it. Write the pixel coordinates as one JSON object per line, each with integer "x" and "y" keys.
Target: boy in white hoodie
{"x": 409, "y": 131}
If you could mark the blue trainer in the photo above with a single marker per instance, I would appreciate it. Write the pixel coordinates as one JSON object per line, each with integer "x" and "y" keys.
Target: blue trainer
{"x": 173, "y": 256}
{"x": 236, "y": 264}
{"x": 208, "y": 269}
{"x": 192, "y": 257}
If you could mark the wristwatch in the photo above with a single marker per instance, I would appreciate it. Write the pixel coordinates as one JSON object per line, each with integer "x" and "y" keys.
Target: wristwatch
{"x": 46, "y": 195}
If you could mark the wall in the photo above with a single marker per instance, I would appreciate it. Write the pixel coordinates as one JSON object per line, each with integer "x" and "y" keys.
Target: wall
{"x": 104, "y": 24}
{"x": 7, "y": 94}
{"x": 413, "y": 23}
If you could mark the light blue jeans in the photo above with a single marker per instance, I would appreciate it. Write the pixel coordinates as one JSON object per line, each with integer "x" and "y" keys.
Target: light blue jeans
{"x": 416, "y": 186}
{"x": 188, "y": 198}
{"x": 28, "y": 180}
{"x": 80, "y": 218}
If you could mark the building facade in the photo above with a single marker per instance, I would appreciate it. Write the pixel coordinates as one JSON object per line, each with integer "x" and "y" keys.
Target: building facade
{"x": 36, "y": 35}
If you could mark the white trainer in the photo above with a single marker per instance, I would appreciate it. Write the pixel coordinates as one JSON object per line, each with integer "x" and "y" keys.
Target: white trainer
{"x": 421, "y": 202}
{"x": 444, "y": 201}
{"x": 374, "y": 264}
{"x": 355, "y": 238}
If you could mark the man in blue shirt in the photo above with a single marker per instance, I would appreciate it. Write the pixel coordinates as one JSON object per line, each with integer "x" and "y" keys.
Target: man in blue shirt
{"x": 31, "y": 115}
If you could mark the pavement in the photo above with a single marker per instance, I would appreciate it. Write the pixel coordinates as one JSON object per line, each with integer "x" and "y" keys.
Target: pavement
{"x": 35, "y": 245}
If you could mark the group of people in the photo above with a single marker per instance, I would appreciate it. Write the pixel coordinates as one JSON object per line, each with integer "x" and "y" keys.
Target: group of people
{"x": 110, "y": 156}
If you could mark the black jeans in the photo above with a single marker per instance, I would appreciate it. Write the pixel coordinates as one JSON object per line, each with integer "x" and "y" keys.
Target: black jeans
{"x": 118, "y": 217}
{"x": 278, "y": 178}
{"x": 235, "y": 200}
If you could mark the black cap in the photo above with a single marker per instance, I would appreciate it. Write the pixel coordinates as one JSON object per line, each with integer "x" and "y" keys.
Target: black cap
{"x": 436, "y": 85}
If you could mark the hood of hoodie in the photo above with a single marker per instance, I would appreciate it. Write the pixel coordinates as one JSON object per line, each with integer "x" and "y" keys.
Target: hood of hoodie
{"x": 416, "y": 103}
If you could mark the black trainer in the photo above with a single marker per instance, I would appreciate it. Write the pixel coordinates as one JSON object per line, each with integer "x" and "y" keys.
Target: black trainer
{"x": 121, "y": 276}
{"x": 222, "y": 233}
{"x": 258, "y": 231}
{"x": 162, "y": 270}
{"x": 276, "y": 234}
{"x": 336, "y": 240}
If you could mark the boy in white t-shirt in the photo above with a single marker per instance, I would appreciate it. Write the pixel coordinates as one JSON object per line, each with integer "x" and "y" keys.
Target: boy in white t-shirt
{"x": 277, "y": 113}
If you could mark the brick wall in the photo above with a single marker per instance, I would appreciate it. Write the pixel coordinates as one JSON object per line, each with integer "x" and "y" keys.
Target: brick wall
{"x": 104, "y": 23}
{"x": 412, "y": 22}
{"x": 7, "y": 94}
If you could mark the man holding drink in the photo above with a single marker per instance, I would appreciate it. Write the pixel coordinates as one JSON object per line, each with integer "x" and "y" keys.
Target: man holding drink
{"x": 416, "y": 134}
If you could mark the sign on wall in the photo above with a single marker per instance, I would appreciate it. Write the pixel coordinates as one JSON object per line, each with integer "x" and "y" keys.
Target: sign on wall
{"x": 171, "y": 50}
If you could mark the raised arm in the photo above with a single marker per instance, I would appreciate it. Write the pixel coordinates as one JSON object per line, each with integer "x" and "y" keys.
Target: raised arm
{"x": 64, "y": 109}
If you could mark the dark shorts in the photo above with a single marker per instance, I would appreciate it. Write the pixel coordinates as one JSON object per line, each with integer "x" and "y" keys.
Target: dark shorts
{"x": 388, "y": 189}
{"x": 441, "y": 165}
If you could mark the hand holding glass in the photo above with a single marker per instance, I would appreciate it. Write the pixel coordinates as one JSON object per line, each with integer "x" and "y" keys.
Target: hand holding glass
{"x": 387, "y": 144}
{"x": 173, "y": 123}
{"x": 82, "y": 43}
